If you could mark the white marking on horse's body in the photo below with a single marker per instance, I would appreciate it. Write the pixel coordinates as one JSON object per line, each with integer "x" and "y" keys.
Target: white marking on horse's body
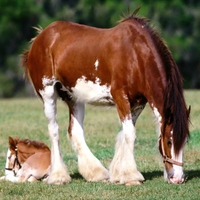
{"x": 92, "y": 92}
{"x": 158, "y": 118}
{"x": 96, "y": 64}
{"x": 48, "y": 81}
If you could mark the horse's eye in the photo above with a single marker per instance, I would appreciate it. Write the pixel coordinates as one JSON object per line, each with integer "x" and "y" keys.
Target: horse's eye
{"x": 169, "y": 143}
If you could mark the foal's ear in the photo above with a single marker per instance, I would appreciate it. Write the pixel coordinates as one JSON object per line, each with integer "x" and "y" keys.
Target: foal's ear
{"x": 11, "y": 142}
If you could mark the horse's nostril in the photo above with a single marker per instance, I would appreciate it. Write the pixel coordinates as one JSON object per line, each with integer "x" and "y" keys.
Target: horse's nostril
{"x": 175, "y": 180}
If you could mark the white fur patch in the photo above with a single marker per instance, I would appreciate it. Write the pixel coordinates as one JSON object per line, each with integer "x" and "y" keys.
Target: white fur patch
{"x": 158, "y": 118}
{"x": 157, "y": 114}
{"x": 96, "y": 64}
{"x": 58, "y": 171}
{"x": 46, "y": 81}
{"x": 123, "y": 168}
{"x": 92, "y": 92}
{"x": 178, "y": 175}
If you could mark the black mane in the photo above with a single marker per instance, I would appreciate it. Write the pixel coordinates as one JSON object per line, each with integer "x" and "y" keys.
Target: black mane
{"x": 174, "y": 110}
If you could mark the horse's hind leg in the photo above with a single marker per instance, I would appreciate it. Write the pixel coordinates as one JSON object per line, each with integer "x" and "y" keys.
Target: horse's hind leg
{"x": 58, "y": 173}
{"x": 89, "y": 166}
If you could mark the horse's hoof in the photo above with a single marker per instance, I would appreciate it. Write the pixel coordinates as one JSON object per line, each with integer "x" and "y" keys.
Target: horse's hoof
{"x": 105, "y": 181}
{"x": 59, "y": 180}
{"x": 133, "y": 183}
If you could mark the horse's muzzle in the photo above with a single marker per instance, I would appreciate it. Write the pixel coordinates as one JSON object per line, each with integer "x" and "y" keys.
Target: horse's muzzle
{"x": 176, "y": 180}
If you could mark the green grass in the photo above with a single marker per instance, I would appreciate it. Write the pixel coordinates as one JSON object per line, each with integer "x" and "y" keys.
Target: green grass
{"x": 25, "y": 118}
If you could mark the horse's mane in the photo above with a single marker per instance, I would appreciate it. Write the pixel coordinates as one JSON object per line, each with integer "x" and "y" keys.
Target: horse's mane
{"x": 174, "y": 109}
{"x": 33, "y": 143}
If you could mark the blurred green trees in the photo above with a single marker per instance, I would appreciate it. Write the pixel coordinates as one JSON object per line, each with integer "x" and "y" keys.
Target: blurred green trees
{"x": 178, "y": 21}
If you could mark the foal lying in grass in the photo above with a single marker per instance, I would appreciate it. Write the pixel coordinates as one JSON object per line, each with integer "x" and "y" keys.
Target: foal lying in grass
{"x": 27, "y": 160}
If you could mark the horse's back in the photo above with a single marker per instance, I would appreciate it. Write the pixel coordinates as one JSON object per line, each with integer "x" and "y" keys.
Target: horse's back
{"x": 75, "y": 54}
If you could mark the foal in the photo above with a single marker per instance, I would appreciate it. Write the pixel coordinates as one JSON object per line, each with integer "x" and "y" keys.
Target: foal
{"x": 27, "y": 160}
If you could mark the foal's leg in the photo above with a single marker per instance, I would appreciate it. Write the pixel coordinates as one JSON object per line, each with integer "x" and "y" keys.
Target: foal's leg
{"x": 58, "y": 173}
{"x": 123, "y": 169}
{"x": 89, "y": 166}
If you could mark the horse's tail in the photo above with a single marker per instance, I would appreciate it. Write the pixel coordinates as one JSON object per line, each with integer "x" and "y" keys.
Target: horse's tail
{"x": 24, "y": 62}
{"x": 24, "y": 56}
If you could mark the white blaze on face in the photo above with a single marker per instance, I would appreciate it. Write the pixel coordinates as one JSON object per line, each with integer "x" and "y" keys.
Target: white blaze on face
{"x": 96, "y": 64}
{"x": 91, "y": 92}
{"x": 178, "y": 176}
{"x": 8, "y": 160}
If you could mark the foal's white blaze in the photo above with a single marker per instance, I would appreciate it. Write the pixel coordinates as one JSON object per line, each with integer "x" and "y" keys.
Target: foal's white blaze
{"x": 92, "y": 92}
{"x": 96, "y": 64}
{"x": 9, "y": 159}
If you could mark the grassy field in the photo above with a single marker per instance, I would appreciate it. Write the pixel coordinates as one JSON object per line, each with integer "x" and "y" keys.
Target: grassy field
{"x": 25, "y": 118}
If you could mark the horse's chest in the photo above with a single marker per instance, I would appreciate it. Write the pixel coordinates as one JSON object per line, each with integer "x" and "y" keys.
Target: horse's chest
{"x": 92, "y": 92}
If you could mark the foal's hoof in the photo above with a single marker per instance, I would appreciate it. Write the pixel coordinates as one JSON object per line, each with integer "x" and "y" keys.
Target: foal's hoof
{"x": 133, "y": 183}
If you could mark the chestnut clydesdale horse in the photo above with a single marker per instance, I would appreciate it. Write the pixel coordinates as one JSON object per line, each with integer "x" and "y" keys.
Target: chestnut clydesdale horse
{"x": 126, "y": 66}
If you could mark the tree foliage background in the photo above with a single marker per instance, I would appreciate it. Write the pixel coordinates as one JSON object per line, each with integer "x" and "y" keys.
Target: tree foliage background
{"x": 177, "y": 21}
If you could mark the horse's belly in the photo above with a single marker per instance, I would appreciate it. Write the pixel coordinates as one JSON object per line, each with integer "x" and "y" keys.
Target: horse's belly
{"x": 92, "y": 92}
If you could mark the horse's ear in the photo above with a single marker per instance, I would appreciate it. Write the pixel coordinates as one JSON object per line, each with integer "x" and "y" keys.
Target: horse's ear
{"x": 188, "y": 112}
{"x": 11, "y": 142}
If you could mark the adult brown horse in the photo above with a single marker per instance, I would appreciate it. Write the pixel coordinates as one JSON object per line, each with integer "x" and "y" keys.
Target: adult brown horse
{"x": 27, "y": 160}
{"x": 126, "y": 66}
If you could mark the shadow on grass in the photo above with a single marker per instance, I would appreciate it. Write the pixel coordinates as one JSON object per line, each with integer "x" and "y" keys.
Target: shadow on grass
{"x": 76, "y": 176}
{"x": 147, "y": 175}
{"x": 190, "y": 174}
{"x": 152, "y": 175}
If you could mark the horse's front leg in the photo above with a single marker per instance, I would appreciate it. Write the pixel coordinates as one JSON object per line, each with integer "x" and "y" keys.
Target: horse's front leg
{"x": 89, "y": 166}
{"x": 58, "y": 172}
{"x": 123, "y": 169}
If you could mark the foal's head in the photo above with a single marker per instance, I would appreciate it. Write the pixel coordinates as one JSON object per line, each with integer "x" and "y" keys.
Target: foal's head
{"x": 12, "y": 161}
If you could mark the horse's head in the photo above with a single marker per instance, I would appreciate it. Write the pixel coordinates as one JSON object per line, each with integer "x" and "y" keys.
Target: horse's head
{"x": 12, "y": 161}
{"x": 171, "y": 146}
